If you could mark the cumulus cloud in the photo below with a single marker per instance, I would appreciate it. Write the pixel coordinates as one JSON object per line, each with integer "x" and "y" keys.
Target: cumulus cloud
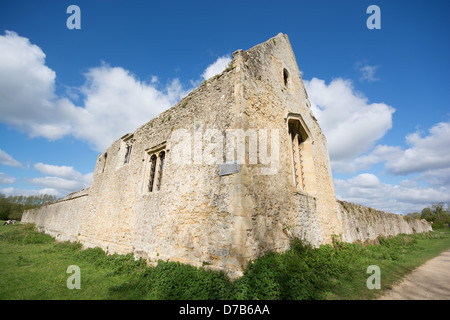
{"x": 425, "y": 152}
{"x": 217, "y": 67}
{"x": 404, "y": 197}
{"x": 378, "y": 154}
{"x": 61, "y": 185}
{"x": 115, "y": 101}
{"x": 5, "y": 179}
{"x": 7, "y": 160}
{"x": 426, "y": 159}
{"x": 61, "y": 179}
{"x": 437, "y": 177}
{"x": 27, "y": 99}
{"x": 62, "y": 171}
{"x": 351, "y": 124}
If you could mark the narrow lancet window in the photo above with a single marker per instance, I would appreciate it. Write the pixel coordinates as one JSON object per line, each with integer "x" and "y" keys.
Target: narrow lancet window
{"x": 162, "y": 156}
{"x": 296, "y": 146}
{"x": 152, "y": 172}
{"x": 127, "y": 155}
{"x": 104, "y": 161}
{"x": 285, "y": 77}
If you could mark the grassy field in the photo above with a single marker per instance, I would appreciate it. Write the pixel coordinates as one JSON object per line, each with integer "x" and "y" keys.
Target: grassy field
{"x": 33, "y": 266}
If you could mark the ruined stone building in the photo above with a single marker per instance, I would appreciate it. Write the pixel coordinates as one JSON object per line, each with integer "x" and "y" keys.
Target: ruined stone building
{"x": 238, "y": 167}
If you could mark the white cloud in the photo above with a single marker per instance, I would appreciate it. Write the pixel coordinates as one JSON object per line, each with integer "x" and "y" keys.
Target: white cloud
{"x": 62, "y": 172}
{"x": 117, "y": 103}
{"x": 61, "y": 185}
{"x": 351, "y": 124}
{"x": 217, "y": 67}
{"x": 27, "y": 99}
{"x": 425, "y": 153}
{"x": 379, "y": 154}
{"x": 114, "y": 100}
{"x": 437, "y": 177}
{"x": 5, "y": 179}
{"x": 7, "y": 160}
{"x": 368, "y": 73}
{"x": 407, "y": 196}
{"x": 365, "y": 180}
{"x": 61, "y": 179}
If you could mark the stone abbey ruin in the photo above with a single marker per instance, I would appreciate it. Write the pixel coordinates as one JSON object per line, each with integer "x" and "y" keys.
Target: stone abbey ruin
{"x": 237, "y": 168}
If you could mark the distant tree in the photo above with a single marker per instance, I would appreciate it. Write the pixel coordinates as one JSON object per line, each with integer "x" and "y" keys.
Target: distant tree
{"x": 12, "y": 207}
{"x": 4, "y": 207}
{"x": 414, "y": 215}
{"x": 437, "y": 215}
{"x": 427, "y": 214}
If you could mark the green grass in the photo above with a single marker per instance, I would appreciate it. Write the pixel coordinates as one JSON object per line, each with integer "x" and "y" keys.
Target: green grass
{"x": 396, "y": 257}
{"x": 33, "y": 266}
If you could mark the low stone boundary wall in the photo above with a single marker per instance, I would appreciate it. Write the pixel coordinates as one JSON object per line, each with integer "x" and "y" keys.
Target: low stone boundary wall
{"x": 361, "y": 223}
{"x": 64, "y": 218}
{"x": 61, "y": 219}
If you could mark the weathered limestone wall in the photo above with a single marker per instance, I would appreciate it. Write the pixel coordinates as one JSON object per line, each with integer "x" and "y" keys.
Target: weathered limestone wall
{"x": 190, "y": 218}
{"x": 61, "y": 219}
{"x": 273, "y": 207}
{"x": 361, "y": 223}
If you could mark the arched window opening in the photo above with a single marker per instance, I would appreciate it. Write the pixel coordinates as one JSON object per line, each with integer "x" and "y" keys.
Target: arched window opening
{"x": 153, "y": 159}
{"x": 104, "y": 161}
{"x": 127, "y": 154}
{"x": 285, "y": 77}
{"x": 162, "y": 156}
{"x": 296, "y": 146}
{"x": 302, "y": 155}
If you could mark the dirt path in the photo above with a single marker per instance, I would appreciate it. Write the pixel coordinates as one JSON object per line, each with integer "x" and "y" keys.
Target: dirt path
{"x": 430, "y": 281}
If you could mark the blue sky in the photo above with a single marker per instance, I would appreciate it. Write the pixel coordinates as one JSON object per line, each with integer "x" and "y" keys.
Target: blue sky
{"x": 381, "y": 96}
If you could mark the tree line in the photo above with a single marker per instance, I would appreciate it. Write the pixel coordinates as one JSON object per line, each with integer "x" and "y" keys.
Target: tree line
{"x": 436, "y": 214}
{"x": 12, "y": 207}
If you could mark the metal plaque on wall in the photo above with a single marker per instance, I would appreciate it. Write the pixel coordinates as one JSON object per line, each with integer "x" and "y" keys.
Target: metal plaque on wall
{"x": 228, "y": 168}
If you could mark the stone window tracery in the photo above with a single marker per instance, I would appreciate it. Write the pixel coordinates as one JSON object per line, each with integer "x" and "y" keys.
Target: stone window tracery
{"x": 301, "y": 149}
{"x": 154, "y": 169}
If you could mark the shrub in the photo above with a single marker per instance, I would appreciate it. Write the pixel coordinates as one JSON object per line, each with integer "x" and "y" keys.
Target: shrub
{"x": 175, "y": 281}
{"x": 300, "y": 273}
